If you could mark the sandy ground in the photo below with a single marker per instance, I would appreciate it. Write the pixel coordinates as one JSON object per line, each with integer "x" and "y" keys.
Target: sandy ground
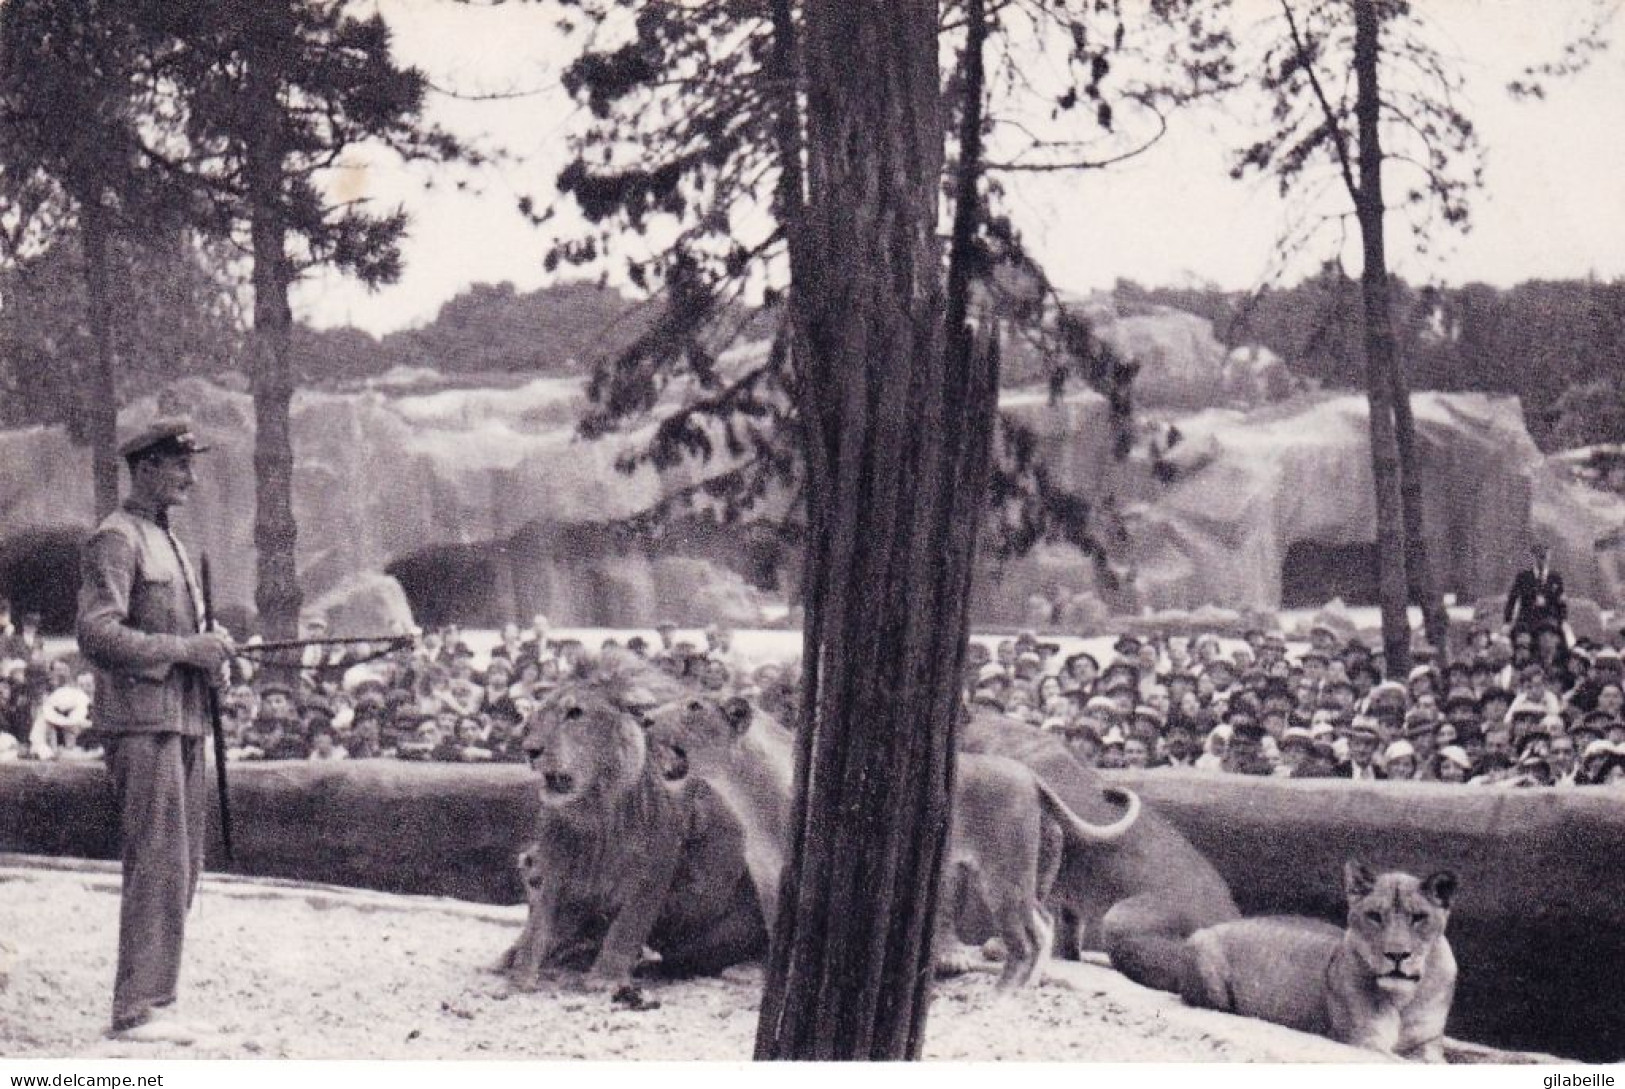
{"x": 283, "y": 970}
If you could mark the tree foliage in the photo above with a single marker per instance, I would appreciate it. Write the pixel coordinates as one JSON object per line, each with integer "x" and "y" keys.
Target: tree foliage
{"x": 1541, "y": 340}
{"x": 678, "y": 169}
{"x": 175, "y": 313}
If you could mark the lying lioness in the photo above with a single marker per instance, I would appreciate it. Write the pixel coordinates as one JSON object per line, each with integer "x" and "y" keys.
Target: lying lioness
{"x": 1385, "y": 982}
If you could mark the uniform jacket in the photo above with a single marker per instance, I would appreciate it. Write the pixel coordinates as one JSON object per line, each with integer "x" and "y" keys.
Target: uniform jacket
{"x": 137, "y": 603}
{"x": 1535, "y": 598}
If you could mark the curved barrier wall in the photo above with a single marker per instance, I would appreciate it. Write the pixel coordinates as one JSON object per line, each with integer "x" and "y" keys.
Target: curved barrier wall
{"x": 428, "y": 829}
{"x": 1538, "y": 927}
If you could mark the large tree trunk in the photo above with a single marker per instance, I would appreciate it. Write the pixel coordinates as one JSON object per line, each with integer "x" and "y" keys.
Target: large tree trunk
{"x": 1392, "y": 581}
{"x": 101, "y": 392}
{"x": 1424, "y": 586}
{"x": 276, "y": 594}
{"x": 896, "y": 435}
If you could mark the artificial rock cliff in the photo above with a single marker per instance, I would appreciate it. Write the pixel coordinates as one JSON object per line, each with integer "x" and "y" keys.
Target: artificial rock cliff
{"x": 486, "y": 506}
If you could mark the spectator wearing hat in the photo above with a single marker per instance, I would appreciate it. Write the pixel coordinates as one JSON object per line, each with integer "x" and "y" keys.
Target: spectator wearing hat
{"x": 1082, "y": 740}
{"x": 1451, "y": 764}
{"x": 1421, "y": 681}
{"x": 1214, "y": 749}
{"x": 1338, "y": 693}
{"x": 1245, "y": 753}
{"x": 365, "y": 740}
{"x": 1602, "y": 763}
{"x": 1323, "y": 639}
{"x": 1112, "y": 744}
{"x": 1400, "y": 761}
{"x": 1296, "y": 741}
{"x": 1365, "y": 739}
{"x": 62, "y": 715}
{"x": 276, "y": 701}
{"x": 1320, "y": 762}
{"x": 1243, "y": 659}
{"x": 1027, "y": 665}
{"x": 139, "y": 624}
{"x": 1606, "y": 668}
{"x": 1444, "y": 735}
{"x": 1385, "y": 699}
{"x": 1531, "y": 770}
{"x": 1221, "y": 675}
{"x": 286, "y": 739}
{"x": 992, "y": 674}
{"x": 1363, "y": 676}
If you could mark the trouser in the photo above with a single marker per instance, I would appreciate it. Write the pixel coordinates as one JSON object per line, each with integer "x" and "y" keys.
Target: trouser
{"x": 162, "y": 802}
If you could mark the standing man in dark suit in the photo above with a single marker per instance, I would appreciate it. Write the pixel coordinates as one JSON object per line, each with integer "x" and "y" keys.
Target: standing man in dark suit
{"x": 1536, "y": 596}
{"x": 140, "y": 625}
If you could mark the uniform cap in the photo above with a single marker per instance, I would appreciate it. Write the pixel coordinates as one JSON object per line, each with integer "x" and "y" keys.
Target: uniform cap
{"x": 169, "y": 435}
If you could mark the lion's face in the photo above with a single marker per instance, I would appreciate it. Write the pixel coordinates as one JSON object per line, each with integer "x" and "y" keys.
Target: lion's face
{"x": 1394, "y": 922}
{"x": 695, "y": 733}
{"x": 582, "y": 746}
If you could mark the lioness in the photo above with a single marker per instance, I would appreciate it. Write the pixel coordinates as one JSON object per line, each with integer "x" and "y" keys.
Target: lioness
{"x": 1384, "y": 982}
{"x": 1008, "y": 834}
{"x": 622, "y": 860}
{"x": 1140, "y": 898}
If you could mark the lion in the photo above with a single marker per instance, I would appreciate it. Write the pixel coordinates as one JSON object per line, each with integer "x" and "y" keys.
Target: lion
{"x": 1384, "y": 982}
{"x": 622, "y": 860}
{"x": 1005, "y": 847}
{"x": 1138, "y": 898}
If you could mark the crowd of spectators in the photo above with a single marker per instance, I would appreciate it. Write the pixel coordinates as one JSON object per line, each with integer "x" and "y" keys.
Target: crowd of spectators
{"x": 436, "y": 701}
{"x": 1508, "y": 710}
{"x": 1512, "y": 710}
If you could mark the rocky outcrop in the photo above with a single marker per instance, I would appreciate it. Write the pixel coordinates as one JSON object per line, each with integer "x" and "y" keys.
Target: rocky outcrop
{"x": 366, "y": 604}
{"x": 485, "y": 506}
{"x": 1184, "y": 365}
{"x": 381, "y": 479}
{"x": 1281, "y": 498}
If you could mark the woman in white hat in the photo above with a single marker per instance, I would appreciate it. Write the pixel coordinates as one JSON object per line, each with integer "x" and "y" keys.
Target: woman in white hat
{"x": 1399, "y": 761}
{"x": 1451, "y": 764}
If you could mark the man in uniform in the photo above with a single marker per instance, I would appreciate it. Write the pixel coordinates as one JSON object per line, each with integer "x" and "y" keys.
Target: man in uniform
{"x": 140, "y": 625}
{"x": 1536, "y": 596}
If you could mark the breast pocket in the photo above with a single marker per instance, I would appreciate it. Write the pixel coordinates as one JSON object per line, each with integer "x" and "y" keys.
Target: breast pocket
{"x": 152, "y": 605}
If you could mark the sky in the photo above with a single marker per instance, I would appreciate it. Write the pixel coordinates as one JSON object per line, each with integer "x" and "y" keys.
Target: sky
{"x": 1552, "y": 205}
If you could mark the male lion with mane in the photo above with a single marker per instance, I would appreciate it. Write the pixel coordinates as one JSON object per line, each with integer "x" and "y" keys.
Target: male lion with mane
{"x": 1383, "y": 982}
{"x": 622, "y": 859}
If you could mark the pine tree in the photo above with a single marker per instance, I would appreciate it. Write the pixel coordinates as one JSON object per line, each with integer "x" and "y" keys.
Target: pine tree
{"x": 275, "y": 92}
{"x": 1403, "y": 94}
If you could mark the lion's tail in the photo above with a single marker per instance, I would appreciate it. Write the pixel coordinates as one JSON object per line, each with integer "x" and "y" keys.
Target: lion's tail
{"x": 1081, "y": 831}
